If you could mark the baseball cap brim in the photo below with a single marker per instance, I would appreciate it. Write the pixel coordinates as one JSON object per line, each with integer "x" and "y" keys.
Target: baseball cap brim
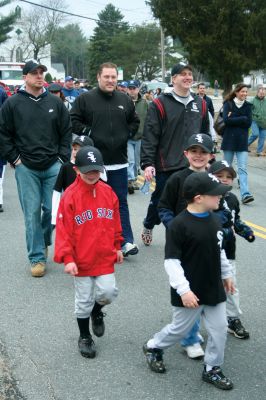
{"x": 88, "y": 168}
{"x": 219, "y": 190}
{"x": 229, "y": 169}
{"x": 199, "y": 145}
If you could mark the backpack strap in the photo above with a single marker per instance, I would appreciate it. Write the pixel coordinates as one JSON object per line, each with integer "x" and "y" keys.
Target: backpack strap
{"x": 160, "y": 107}
{"x": 204, "y": 108}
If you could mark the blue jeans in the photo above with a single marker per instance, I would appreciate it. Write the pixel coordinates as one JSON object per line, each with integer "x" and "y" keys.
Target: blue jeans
{"x": 117, "y": 179}
{"x": 192, "y": 336}
{"x": 257, "y": 132}
{"x": 152, "y": 218}
{"x": 242, "y": 158}
{"x": 35, "y": 189}
{"x": 133, "y": 153}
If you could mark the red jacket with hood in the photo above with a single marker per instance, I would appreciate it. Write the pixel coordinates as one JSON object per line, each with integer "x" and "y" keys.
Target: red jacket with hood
{"x": 88, "y": 228}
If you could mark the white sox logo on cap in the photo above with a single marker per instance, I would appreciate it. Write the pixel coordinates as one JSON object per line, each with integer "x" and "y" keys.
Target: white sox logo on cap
{"x": 213, "y": 177}
{"x": 91, "y": 156}
{"x": 199, "y": 138}
{"x": 225, "y": 163}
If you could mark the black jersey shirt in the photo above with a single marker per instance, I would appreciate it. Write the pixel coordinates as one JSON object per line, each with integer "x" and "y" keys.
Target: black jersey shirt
{"x": 197, "y": 242}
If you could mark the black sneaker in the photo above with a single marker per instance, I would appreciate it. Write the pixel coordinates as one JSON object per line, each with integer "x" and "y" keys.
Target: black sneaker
{"x": 1, "y": 208}
{"x": 87, "y": 347}
{"x": 237, "y": 329}
{"x": 247, "y": 199}
{"x": 154, "y": 358}
{"x": 97, "y": 324}
{"x": 217, "y": 378}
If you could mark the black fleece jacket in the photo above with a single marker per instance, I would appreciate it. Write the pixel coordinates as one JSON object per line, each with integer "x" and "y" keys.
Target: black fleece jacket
{"x": 35, "y": 129}
{"x": 109, "y": 119}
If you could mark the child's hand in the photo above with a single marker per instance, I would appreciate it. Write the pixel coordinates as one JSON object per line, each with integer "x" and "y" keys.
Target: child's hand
{"x": 71, "y": 268}
{"x": 229, "y": 285}
{"x": 190, "y": 300}
{"x": 119, "y": 257}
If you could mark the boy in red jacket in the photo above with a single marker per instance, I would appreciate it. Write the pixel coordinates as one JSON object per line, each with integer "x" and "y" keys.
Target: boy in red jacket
{"x": 88, "y": 241}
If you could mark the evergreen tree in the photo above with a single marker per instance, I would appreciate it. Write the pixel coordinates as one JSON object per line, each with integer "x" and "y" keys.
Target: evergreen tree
{"x": 6, "y": 22}
{"x": 224, "y": 38}
{"x": 109, "y": 25}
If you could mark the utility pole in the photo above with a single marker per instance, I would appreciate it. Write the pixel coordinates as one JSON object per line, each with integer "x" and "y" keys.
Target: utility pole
{"x": 162, "y": 55}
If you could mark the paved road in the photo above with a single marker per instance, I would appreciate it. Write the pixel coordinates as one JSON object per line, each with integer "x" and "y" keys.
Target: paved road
{"x": 38, "y": 333}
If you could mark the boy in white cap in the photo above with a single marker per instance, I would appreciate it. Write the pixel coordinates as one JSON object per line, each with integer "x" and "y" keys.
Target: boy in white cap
{"x": 88, "y": 241}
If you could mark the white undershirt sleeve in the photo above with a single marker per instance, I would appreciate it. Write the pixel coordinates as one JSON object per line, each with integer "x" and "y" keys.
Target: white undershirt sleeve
{"x": 55, "y": 204}
{"x": 176, "y": 275}
{"x": 226, "y": 268}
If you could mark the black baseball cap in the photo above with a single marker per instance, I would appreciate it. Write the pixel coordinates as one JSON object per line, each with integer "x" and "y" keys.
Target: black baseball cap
{"x": 178, "y": 68}
{"x": 202, "y": 140}
{"x": 31, "y": 66}
{"x": 222, "y": 165}
{"x": 89, "y": 158}
{"x": 83, "y": 141}
{"x": 203, "y": 183}
{"x": 55, "y": 87}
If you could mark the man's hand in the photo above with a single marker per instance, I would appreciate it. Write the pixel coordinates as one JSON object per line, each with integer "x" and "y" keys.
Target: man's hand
{"x": 229, "y": 285}
{"x": 71, "y": 268}
{"x": 149, "y": 173}
{"x": 190, "y": 300}
{"x": 119, "y": 257}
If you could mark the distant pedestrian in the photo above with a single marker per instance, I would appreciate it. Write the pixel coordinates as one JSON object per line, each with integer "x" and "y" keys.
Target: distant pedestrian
{"x": 69, "y": 90}
{"x": 122, "y": 86}
{"x": 198, "y": 273}
{"x": 3, "y": 98}
{"x": 57, "y": 90}
{"x": 237, "y": 118}
{"x": 88, "y": 241}
{"x": 216, "y": 88}
{"x": 202, "y": 94}
{"x": 35, "y": 137}
{"x": 133, "y": 144}
{"x": 258, "y": 126}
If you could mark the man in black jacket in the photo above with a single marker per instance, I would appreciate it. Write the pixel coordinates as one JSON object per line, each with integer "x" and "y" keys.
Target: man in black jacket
{"x": 35, "y": 137}
{"x": 109, "y": 118}
{"x": 171, "y": 119}
{"x": 202, "y": 94}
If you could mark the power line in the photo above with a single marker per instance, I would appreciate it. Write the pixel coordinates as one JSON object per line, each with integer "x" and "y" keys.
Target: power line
{"x": 119, "y": 8}
{"x": 76, "y": 15}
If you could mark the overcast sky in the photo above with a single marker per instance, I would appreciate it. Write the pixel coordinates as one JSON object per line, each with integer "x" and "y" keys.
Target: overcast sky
{"x": 134, "y": 12}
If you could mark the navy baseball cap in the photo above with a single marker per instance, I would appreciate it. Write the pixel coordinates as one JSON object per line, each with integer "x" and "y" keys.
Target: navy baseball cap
{"x": 203, "y": 183}
{"x": 89, "y": 158}
{"x": 202, "y": 140}
{"x": 133, "y": 83}
{"x": 83, "y": 141}
{"x": 123, "y": 84}
{"x": 222, "y": 165}
{"x": 178, "y": 68}
{"x": 69, "y": 78}
{"x": 31, "y": 66}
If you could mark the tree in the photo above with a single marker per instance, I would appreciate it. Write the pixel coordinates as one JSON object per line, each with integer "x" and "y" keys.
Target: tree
{"x": 224, "y": 38}
{"x": 70, "y": 47}
{"x": 48, "y": 78}
{"x": 41, "y": 25}
{"x": 6, "y": 23}
{"x": 138, "y": 52}
{"x": 109, "y": 25}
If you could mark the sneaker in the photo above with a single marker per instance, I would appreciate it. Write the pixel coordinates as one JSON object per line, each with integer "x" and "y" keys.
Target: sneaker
{"x": 130, "y": 187}
{"x": 87, "y": 347}
{"x": 154, "y": 358}
{"x": 201, "y": 338}
{"x": 135, "y": 186}
{"x": 237, "y": 329}
{"x": 1, "y": 208}
{"x": 38, "y": 269}
{"x": 247, "y": 199}
{"x": 97, "y": 323}
{"x": 130, "y": 249}
{"x": 217, "y": 378}
{"x": 146, "y": 236}
{"x": 194, "y": 351}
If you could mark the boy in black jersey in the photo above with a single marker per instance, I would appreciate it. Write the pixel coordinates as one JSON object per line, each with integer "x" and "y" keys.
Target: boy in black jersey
{"x": 198, "y": 272}
{"x": 199, "y": 153}
{"x": 67, "y": 174}
{"x": 229, "y": 210}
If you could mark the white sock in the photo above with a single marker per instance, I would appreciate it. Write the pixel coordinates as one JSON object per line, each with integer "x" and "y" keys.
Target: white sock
{"x": 208, "y": 367}
{"x": 151, "y": 344}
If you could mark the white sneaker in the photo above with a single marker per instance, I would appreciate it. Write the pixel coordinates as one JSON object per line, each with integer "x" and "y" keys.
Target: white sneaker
{"x": 129, "y": 249}
{"x": 201, "y": 339}
{"x": 194, "y": 351}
